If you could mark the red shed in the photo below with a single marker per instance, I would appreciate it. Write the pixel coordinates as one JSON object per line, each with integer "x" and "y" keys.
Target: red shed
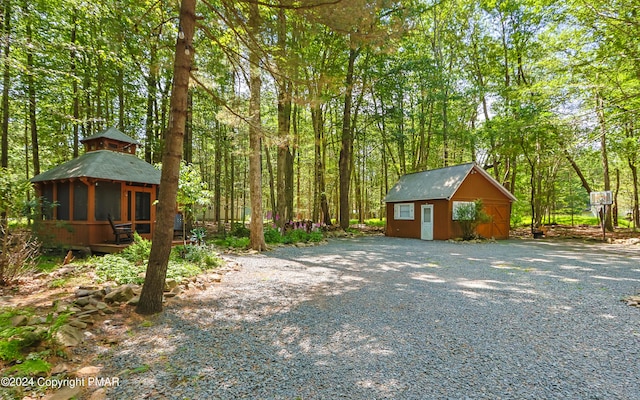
{"x": 421, "y": 205}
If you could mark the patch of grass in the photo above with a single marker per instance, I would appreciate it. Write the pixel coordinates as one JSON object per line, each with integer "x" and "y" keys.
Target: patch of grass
{"x": 565, "y": 219}
{"x": 58, "y": 283}
{"x": 146, "y": 324}
{"x": 233, "y": 242}
{"x": 48, "y": 263}
{"x": 376, "y": 222}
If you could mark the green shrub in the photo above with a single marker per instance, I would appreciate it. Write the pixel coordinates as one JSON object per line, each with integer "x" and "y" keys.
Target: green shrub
{"x": 272, "y": 235}
{"x": 17, "y": 341}
{"x": 138, "y": 252}
{"x": 239, "y": 230}
{"x": 203, "y": 256}
{"x": 35, "y": 367}
{"x": 316, "y": 236}
{"x": 185, "y": 261}
{"x": 198, "y": 235}
{"x": 180, "y": 271}
{"x": 376, "y": 222}
{"x": 295, "y": 236}
{"x": 469, "y": 215}
{"x": 234, "y": 242}
{"x": 114, "y": 267}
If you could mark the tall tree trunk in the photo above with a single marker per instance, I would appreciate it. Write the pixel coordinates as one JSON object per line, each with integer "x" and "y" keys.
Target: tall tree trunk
{"x": 152, "y": 92}
{"x": 121, "y": 113}
{"x": 578, "y": 171}
{"x": 151, "y": 296}
{"x": 88, "y": 109}
{"x": 321, "y": 203}
{"x": 220, "y": 141}
{"x": 445, "y": 127}
{"x": 256, "y": 237}
{"x": 608, "y": 223}
{"x": 6, "y": 81}
{"x": 285, "y": 157}
{"x": 99, "y": 82}
{"x": 74, "y": 85}
{"x": 31, "y": 90}
{"x": 272, "y": 186}
{"x": 187, "y": 152}
{"x": 346, "y": 150}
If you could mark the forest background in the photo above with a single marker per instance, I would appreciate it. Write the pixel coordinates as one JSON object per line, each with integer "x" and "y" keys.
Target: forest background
{"x": 335, "y": 99}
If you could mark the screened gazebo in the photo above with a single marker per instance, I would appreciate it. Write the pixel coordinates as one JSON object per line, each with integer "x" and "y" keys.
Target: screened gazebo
{"x": 107, "y": 181}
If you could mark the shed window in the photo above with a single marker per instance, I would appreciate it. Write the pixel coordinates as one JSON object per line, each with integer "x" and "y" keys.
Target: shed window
{"x": 464, "y": 210}
{"x": 403, "y": 211}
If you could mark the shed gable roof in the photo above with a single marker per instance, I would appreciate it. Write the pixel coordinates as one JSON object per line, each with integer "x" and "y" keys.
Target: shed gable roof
{"x": 437, "y": 184}
{"x": 104, "y": 164}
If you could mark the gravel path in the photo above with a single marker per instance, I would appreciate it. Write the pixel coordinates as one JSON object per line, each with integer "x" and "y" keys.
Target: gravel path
{"x": 384, "y": 318}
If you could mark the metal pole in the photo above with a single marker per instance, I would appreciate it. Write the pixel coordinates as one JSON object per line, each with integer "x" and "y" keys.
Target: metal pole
{"x": 604, "y": 214}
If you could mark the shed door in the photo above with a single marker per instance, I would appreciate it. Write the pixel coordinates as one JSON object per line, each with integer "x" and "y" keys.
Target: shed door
{"x": 426, "y": 226}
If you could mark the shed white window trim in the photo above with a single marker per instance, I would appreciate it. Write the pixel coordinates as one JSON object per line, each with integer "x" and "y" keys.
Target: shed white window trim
{"x": 463, "y": 210}
{"x": 403, "y": 211}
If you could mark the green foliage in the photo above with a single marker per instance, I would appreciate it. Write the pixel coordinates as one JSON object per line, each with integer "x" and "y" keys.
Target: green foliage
{"x": 48, "y": 263}
{"x": 184, "y": 262}
{"x": 376, "y": 222}
{"x": 295, "y": 236}
{"x": 35, "y": 367}
{"x": 10, "y": 350}
{"x": 114, "y": 267}
{"x": 13, "y": 194}
{"x": 565, "y": 219}
{"x": 239, "y": 230}
{"x": 198, "y": 235}
{"x": 138, "y": 252}
{"x": 233, "y": 242}
{"x": 17, "y": 342}
{"x": 272, "y": 235}
{"x": 192, "y": 190}
{"x": 469, "y": 216}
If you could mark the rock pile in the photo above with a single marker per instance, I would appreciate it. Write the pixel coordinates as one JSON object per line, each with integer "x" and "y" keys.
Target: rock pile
{"x": 89, "y": 302}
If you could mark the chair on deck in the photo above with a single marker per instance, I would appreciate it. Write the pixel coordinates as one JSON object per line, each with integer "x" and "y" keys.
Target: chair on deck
{"x": 121, "y": 230}
{"x": 178, "y": 226}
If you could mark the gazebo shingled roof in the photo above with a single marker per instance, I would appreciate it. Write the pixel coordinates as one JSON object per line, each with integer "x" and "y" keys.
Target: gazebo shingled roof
{"x": 104, "y": 164}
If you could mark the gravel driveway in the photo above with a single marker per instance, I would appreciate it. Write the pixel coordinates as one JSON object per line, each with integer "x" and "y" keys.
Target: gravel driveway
{"x": 384, "y": 318}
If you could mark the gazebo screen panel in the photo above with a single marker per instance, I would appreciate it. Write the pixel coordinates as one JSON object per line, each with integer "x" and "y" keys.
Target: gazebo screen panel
{"x": 108, "y": 201}
{"x": 63, "y": 207}
{"x": 80, "y": 201}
